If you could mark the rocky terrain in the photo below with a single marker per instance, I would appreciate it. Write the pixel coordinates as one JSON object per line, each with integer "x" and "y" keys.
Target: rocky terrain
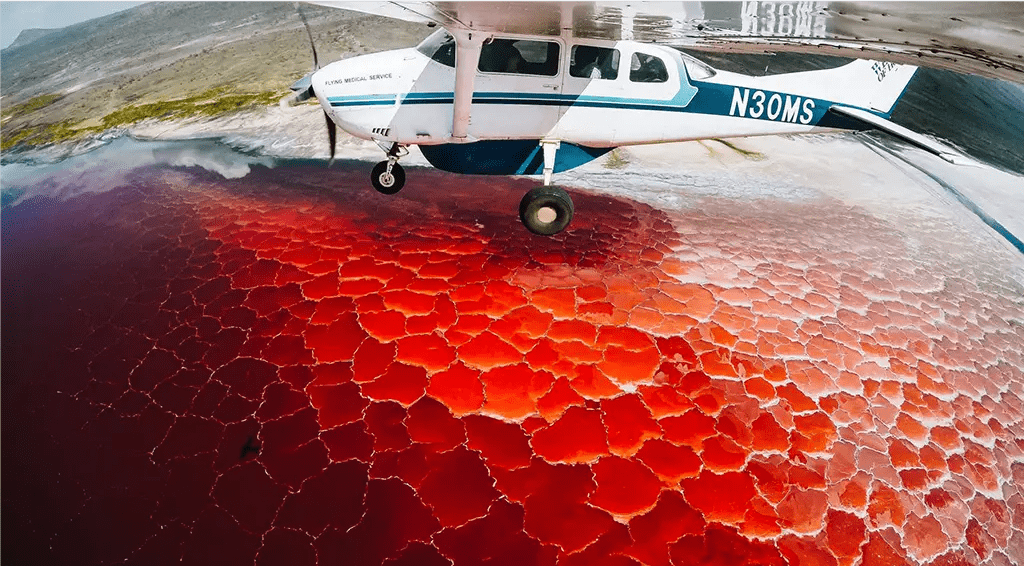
{"x": 28, "y": 36}
{"x": 69, "y": 81}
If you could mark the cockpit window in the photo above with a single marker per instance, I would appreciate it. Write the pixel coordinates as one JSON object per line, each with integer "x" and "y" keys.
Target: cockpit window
{"x": 519, "y": 56}
{"x": 698, "y": 70}
{"x": 439, "y": 46}
{"x": 591, "y": 62}
{"x": 647, "y": 69}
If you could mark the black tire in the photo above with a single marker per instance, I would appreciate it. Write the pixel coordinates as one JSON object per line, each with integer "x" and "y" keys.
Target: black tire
{"x": 383, "y": 184}
{"x": 539, "y": 202}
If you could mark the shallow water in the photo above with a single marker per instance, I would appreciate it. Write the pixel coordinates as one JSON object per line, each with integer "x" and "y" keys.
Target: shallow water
{"x": 218, "y": 357}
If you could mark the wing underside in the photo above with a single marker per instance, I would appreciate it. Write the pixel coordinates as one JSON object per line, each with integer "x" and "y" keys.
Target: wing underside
{"x": 981, "y": 38}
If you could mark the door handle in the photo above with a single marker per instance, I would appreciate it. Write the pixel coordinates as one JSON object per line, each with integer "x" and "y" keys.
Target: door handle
{"x": 554, "y": 87}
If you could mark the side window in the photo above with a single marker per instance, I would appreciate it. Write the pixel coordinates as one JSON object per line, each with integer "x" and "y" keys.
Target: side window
{"x": 519, "y": 56}
{"x": 591, "y": 62}
{"x": 647, "y": 69}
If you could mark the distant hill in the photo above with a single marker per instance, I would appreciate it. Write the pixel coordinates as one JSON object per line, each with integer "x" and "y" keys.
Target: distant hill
{"x": 28, "y": 36}
{"x": 171, "y": 50}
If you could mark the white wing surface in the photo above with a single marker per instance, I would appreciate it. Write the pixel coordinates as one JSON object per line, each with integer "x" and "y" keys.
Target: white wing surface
{"x": 981, "y": 38}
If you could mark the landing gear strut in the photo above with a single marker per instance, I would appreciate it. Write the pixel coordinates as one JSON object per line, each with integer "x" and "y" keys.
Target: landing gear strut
{"x": 388, "y": 177}
{"x": 546, "y": 210}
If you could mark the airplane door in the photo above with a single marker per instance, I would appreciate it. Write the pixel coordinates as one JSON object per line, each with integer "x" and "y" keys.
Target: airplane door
{"x": 518, "y": 89}
{"x": 618, "y": 93}
{"x": 591, "y": 81}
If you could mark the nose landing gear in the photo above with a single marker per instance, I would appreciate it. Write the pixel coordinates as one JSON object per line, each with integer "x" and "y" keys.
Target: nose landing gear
{"x": 388, "y": 177}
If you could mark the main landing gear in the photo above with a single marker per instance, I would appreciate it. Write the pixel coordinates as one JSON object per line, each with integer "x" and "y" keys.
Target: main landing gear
{"x": 388, "y": 177}
{"x": 545, "y": 210}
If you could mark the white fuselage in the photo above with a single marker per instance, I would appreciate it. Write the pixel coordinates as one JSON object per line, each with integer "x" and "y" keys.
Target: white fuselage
{"x": 406, "y": 96}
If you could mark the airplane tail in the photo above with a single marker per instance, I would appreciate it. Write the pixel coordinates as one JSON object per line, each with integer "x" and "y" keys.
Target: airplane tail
{"x": 875, "y": 86}
{"x": 872, "y": 85}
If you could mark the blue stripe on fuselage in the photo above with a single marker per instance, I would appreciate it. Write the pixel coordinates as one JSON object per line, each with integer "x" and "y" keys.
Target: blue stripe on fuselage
{"x": 710, "y": 98}
{"x": 362, "y": 99}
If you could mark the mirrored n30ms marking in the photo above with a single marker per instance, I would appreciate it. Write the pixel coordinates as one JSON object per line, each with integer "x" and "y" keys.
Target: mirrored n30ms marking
{"x": 882, "y": 68}
{"x": 771, "y": 106}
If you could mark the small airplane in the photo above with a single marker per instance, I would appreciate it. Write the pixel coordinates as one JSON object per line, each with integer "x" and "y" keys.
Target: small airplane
{"x": 534, "y": 98}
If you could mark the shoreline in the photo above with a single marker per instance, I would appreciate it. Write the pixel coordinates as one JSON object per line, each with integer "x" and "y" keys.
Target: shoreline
{"x": 283, "y": 131}
{"x": 668, "y": 175}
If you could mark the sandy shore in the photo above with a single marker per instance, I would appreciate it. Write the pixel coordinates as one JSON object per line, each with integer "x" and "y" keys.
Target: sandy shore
{"x": 861, "y": 171}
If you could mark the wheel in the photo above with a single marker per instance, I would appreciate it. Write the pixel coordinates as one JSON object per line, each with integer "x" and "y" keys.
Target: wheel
{"x": 546, "y": 210}
{"x": 385, "y": 183}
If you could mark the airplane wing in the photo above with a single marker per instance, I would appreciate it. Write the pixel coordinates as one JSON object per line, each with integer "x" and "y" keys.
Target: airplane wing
{"x": 980, "y": 38}
{"x": 941, "y": 150}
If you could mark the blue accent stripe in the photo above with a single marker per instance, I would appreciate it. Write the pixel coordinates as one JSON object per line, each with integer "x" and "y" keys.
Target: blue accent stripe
{"x": 428, "y": 96}
{"x": 699, "y": 98}
{"x": 539, "y": 99}
{"x": 537, "y": 95}
{"x": 363, "y": 103}
{"x": 363, "y": 100}
{"x": 526, "y": 162}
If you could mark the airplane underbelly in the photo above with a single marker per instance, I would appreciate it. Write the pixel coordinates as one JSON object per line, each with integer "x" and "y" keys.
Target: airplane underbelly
{"x": 506, "y": 157}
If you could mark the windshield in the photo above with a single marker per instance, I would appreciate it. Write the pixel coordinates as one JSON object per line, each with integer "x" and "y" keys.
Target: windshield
{"x": 698, "y": 70}
{"x": 439, "y": 46}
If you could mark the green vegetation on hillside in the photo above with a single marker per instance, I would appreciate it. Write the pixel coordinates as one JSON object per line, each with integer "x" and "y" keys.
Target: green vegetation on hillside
{"x": 30, "y": 106}
{"x": 211, "y": 103}
{"x": 44, "y": 134}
